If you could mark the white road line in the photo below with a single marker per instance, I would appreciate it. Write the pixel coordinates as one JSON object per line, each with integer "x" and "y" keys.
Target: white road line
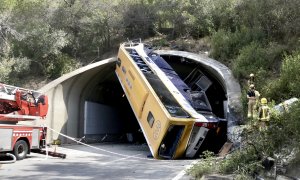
{"x": 182, "y": 173}
{"x": 100, "y": 149}
{"x": 120, "y": 159}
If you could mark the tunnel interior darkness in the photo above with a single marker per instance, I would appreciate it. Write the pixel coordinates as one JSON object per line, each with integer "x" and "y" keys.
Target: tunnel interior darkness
{"x": 109, "y": 93}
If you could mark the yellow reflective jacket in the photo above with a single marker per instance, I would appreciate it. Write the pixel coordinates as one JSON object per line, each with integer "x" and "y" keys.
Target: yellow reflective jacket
{"x": 264, "y": 113}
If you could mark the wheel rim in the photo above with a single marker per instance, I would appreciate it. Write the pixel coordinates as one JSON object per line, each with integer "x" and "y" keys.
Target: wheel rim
{"x": 21, "y": 150}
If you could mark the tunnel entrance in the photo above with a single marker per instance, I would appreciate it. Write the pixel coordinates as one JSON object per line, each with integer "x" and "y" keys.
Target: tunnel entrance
{"x": 108, "y": 116}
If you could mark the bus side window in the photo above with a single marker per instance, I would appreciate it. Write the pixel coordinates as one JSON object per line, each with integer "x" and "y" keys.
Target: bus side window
{"x": 119, "y": 62}
{"x": 150, "y": 119}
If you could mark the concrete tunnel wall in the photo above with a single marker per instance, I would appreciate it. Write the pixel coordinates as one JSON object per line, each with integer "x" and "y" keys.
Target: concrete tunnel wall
{"x": 68, "y": 93}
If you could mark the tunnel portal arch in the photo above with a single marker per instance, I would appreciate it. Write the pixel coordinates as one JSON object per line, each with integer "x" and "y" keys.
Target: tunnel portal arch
{"x": 72, "y": 94}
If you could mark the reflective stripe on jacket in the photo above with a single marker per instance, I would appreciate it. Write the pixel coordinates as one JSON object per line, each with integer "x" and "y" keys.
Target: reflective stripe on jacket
{"x": 264, "y": 113}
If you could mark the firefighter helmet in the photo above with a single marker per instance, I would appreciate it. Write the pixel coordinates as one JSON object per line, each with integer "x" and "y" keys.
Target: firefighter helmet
{"x": 251, "y": 75}
{"x": 264, "y": 101}
{"x": 251, "y": 86}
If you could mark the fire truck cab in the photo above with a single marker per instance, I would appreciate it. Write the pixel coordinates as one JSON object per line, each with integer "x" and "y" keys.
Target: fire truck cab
{"x": 18, "y": 104}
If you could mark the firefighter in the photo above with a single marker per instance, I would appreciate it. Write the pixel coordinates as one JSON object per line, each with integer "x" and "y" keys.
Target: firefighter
{"x": 263, "y": 114}
{"x": 251, "y": 79}
{"x": 252, "y": 96}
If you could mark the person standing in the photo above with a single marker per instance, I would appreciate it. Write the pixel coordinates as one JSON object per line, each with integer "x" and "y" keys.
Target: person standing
{"x": 251, "y": 100}
{"x": 263, "y": 114}
{"x": 252, "y": 96}
{"x": 251, "y": 79}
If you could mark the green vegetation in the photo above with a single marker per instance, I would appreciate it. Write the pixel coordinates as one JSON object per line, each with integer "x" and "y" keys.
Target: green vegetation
{"x": 279, "y": 141}
{"x": 288, "y": 84}
{"x": 241, "y": 32}
{"x": 47, "y": 38}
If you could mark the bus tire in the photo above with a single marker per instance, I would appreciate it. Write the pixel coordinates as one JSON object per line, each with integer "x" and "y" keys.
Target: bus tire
{"x": 20, "y": 149}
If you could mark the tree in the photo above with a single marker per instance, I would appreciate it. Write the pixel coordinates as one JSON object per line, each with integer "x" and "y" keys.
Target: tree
{"x": 137, "y": 19}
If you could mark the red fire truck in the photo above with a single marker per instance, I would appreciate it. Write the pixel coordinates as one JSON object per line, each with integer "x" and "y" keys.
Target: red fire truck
{"x": 19, "y": 104}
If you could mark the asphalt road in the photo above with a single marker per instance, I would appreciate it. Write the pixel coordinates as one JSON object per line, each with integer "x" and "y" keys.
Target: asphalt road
{"x": 103, "y": 161}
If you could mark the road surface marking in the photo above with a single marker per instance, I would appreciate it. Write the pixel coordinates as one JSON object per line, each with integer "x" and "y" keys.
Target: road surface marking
{"x": 182, "y": 173}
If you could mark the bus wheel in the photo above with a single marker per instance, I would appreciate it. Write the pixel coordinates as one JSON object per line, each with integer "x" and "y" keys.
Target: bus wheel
{"x": 20, "y": 149}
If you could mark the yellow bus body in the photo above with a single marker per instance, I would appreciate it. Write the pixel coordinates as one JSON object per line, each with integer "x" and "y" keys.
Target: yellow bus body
{"x": 153, "y": 118}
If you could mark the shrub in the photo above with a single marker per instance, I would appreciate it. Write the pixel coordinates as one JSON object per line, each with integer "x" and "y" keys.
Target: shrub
{"x": 279, "y": 141}
{"x": 11, "y": 69}
{"x": 290, "y": 73}
{"x": 59, "y": 65}
{"x": 251, "y": 58}
{"x": 280, "y": 138}
{"x": 288, "y": 84}
{"x": 5, "y": 69}
{"x": 226, "y": 45}
{"x": 207, "y": 165}
{"x": 243, "y": 162}
{"x": 159, "y": 42}
{"x": 222, "y": 46}
{"x": 290, "y": 124}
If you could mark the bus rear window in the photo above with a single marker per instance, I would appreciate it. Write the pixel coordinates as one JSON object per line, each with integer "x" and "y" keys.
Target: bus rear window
{"x": 170, "y": 142}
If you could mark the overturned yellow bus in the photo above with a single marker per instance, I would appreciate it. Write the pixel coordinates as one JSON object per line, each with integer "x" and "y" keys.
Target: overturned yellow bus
{"x": 174, "y": 119}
